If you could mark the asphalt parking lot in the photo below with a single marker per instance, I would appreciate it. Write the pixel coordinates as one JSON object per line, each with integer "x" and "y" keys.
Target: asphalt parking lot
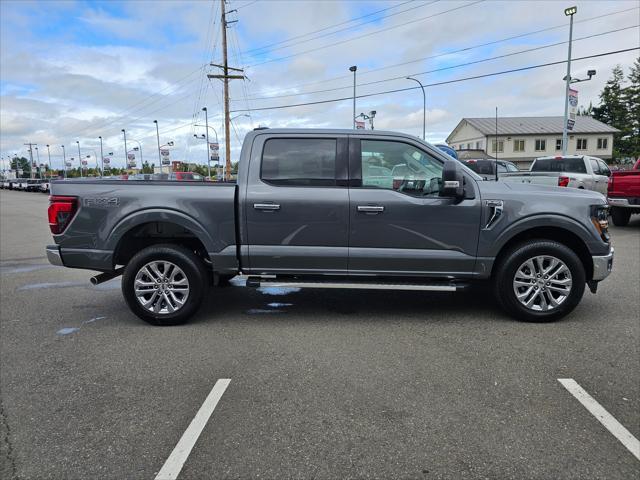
{"x": 323, "y": 383}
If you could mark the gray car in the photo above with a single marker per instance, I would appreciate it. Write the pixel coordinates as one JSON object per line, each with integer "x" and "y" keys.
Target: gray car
{"x": 334, "y": 209}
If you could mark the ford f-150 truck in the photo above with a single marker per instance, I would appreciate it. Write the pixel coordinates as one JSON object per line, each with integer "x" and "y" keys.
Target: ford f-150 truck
{"x": 574, "y": 171}
{"x": 624, "y": 194}
{"x": 334, "y": 209}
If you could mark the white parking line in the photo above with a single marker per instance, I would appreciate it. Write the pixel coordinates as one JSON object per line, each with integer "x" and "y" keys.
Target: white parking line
{"x": 171, "y": 468}
{"x": 604, "y": 417}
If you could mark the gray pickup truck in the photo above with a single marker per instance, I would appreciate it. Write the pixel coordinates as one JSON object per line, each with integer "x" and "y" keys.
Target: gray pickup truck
{"x": 334, "y": 209}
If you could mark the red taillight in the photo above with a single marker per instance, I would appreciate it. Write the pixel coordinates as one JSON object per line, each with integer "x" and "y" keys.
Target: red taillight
{"x": 563, "y": 181}
{"x": 61, "y": 211}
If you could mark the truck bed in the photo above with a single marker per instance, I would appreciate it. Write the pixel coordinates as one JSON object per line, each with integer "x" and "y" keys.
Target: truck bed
{"x": 108, "y": 211}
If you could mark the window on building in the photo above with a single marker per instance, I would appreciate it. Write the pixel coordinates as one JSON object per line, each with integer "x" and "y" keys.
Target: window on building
{"x": 478, "y": 145}
{"x": 468, "y": 146}
{"x": 299, "y": 161}
{"x": 541, "y": 145}
{"x": 558, "y": 144}
{"x": 603, "y": 143}
{"x": 581, "y": 144}
{"x": 500, "y": 146}
{"x": 518, "y": 145}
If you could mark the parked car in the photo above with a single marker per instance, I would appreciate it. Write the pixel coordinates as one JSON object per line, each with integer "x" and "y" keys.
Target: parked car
{"x": 182, "y": 176}
{"x": 334, "y": 209}
{"x": 624, "y": 194}
{"x": 486, "y": 167}
{"x": 577, "y": 171}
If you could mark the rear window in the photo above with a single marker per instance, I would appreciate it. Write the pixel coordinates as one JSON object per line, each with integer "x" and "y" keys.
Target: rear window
{"x": 573, "y": 165}
{"x": 299, "y": 161}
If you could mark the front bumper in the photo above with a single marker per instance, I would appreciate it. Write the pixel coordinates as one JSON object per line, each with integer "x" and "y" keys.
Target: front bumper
{"x": 602, "y": 266}
{"x": 53, "y": 255}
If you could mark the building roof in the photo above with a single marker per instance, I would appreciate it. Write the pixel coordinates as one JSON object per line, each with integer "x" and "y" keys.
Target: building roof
{"x": 535, "y": 125}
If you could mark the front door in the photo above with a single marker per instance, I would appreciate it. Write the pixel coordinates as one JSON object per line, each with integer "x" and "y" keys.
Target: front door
{"x": 400, "y": 225}
{"x": 297, "y": 205}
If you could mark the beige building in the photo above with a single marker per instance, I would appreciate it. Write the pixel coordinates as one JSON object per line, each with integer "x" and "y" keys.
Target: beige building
{"x": 521, "y": 139}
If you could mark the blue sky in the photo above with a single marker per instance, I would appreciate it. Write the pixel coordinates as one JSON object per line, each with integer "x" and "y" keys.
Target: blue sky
{"x": 76, "y": 70}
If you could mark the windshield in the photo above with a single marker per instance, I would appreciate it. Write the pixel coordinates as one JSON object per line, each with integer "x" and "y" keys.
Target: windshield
{"x": 573, "y": 165}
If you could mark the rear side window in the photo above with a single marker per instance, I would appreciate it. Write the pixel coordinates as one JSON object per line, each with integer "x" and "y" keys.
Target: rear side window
{"x": 572, "y": 165}
{"x": 299, "y": 161}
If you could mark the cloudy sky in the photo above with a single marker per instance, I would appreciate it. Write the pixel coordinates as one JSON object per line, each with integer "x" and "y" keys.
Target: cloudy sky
{"x": 76, "y": 70}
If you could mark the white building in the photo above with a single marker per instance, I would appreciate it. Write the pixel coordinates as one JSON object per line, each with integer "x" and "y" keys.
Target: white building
{"x": 521, "y": 139}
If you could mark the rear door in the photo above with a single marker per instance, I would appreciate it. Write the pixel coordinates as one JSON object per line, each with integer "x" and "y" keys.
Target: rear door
{"x": 400, "y": 225}
{"x": 297, "y": 204}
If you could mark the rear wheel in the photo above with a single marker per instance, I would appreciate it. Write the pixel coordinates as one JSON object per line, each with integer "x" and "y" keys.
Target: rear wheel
{"x": 620, "y": 216}
{"x": 164, "y": 284}
{"x": 539, "y": 281}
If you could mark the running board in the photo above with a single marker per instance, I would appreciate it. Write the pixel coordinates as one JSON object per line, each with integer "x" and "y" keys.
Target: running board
{"x": 429, "y": 287}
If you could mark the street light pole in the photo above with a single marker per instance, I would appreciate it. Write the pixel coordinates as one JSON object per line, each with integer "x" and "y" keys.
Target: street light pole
{"x": 126, "y": 158}
{"x": 206, "y": 121}
{"x": 64, "y": 162}
{"x": 158, "y": 138}
{"x": 79, "y": 157}
{"x": 424, "y": 108}
{"x": 570, "y": 12}
{"x": 101, "y": 159}
{"x": 353, "y": 69}
{"x": 49, "y": 155}
{"x": 38, "y": 160}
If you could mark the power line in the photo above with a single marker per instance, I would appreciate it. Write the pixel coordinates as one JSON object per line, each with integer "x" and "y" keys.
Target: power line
{"x": 451, "y": 52}
{"x": 503, "y": 72}
{"x": 268, "y": 47}
{"x": 279, "y": 59}
{"x": 474, "y": 62}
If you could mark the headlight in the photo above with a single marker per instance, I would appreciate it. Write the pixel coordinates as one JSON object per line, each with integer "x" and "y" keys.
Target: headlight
{"x": 600, "y": 219}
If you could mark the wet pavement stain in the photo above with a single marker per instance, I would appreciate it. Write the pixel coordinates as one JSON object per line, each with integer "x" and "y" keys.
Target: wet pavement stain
{"x": 278, "y": 290}
{"x": 67, "y": 330}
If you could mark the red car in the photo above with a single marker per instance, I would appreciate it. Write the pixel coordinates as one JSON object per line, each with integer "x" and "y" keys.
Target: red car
{"x": 623, "y": 194}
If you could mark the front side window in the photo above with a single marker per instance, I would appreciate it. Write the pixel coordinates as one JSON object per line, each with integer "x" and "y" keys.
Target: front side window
{"x": 541, "y": 145}
{"x": 518, "y": 145}
{"x": 401, "y": 167}
{"x": 582, "y": 144}
{"x": 299, "y": 161}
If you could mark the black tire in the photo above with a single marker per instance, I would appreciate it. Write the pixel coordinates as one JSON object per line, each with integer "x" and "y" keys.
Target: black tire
{"x": 620, "y": 216}
{"x": 194, "y": 271}
{"x": 511, "y": 262}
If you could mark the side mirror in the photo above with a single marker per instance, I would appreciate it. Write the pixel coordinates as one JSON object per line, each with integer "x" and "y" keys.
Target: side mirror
{"x": 452, "y": 180}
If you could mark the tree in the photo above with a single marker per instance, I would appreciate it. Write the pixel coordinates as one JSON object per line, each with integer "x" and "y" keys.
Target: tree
{"x": 586, "y": 112}
{"x": 146, "y": 168}
{"x": 23, "y": 164}
{"x": 613, "y": 111}
{"x": 631, "y": 98}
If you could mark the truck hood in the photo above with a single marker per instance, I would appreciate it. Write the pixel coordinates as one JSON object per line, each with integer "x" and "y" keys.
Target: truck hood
{"x": 530, "y": 189}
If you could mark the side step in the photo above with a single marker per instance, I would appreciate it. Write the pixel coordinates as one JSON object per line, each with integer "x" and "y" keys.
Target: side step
{"x": 382, "y": 285}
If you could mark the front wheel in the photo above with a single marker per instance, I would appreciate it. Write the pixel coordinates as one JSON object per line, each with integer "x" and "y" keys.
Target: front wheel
{"x": 164, "y": 284}
{"x": 539, "y": 281}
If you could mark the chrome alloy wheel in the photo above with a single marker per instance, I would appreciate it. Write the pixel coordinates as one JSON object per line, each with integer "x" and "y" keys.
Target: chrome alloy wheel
{"x": 542, "y": 283}
{"x": 161, "y": 287}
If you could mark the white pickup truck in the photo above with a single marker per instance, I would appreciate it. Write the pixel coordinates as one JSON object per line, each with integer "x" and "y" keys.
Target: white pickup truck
{"x": 577, "y": 171}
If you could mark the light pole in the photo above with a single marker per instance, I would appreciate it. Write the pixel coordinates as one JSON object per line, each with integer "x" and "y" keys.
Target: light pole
{"x": 158, "y": 138}
{"x": 49, "y": 155}
{"x": 206, "y": 122}
{"x": 126, "y": 158}
{"x": 353, "y": 69}
{"x": 101, "y": 159}
{"x": 64, "y": 162}
{"x": 79, "y": 157}
{"x": 569, "y": 12}
{"x": 424, "y": 108}
{"x": 38, "y": 160}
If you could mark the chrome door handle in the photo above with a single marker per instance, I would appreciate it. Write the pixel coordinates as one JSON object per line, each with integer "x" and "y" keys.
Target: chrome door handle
{"x": 266, "y": 206}
{"x": 371, "y": 208}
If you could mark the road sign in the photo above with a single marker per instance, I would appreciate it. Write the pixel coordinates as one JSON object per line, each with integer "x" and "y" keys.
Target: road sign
{"x": 165, "y": 156}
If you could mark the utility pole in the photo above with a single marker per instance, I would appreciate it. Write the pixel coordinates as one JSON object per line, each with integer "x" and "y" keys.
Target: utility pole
{"x": 101, "y": 159}
{"x": 158, "y": 138}
{"x": 353, "y": 69}
{"x": 30, "y": 145}
{"x": 225, "y": 77}
{"x": 64, "y": 162}
{"x": 38, "y": 160}
{"x": 79, "y": 157}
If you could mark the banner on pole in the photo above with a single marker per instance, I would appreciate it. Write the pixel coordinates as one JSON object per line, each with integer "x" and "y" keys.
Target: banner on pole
{"x": 67, "y": 164}
{"x": 106, "y": 160}
{"x": 214, "y": 149}
{"x": 165, "y": 156}
{"x": 84, "y": 163}
{"x": 360, "y": 125}
{"x": 573, "y": 108}
{"x": 131, "y": 160}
